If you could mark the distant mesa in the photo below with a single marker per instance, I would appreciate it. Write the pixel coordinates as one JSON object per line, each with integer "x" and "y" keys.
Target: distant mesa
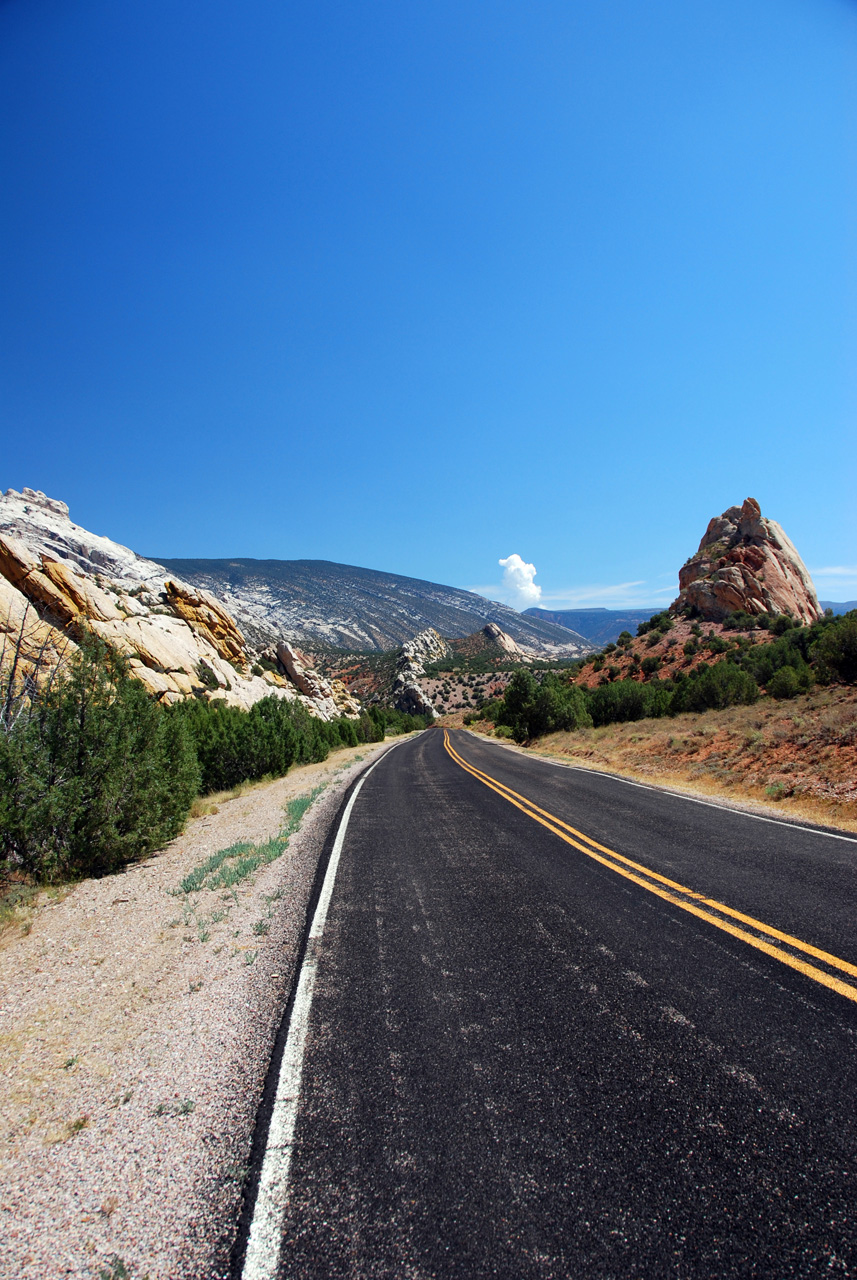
{"x": 838, "y": 606}
{"x": 746, "y": 563}
{"x": 600, "y": 626}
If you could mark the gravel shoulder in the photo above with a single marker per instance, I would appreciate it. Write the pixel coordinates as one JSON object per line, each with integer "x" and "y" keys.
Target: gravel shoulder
{"x": 136, "y": 1026}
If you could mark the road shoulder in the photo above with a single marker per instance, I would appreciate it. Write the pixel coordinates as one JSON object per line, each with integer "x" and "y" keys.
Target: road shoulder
{"x": 136, "y": 1029}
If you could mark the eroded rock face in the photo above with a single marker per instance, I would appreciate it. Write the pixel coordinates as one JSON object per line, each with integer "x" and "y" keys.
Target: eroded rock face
{"x": 331, "y": 695}
{"x": 58, "y": 580}
{"x": 746, "y": 562}
{"x": 505, "y": 642}
{"x": 408, "y": 694}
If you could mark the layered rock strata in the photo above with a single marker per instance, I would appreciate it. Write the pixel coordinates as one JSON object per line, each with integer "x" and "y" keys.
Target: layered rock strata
{"x": 58, "y": 581}
{"x": 746, "y": 562}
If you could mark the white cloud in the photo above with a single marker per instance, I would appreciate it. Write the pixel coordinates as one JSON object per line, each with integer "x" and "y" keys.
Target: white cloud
{"x": 836, "y": 582}
{"x": 836, "y": 571}
{"x": 614, "y": 595}
{"x": 518, "y": 586}
{"x": 639, "y": 594}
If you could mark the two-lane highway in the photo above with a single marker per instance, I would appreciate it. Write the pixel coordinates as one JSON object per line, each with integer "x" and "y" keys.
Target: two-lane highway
{"x": 554, "y": 1024}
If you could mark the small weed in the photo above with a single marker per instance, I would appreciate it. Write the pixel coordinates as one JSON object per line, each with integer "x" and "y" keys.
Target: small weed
{"x": 115, "y": 1269}
{"x": 775, "y": 791}
{"x": 71, "y": 1062}
{"x": 218, "y": 916}
{"x": 228, "y": 867}
{"x": 193, "y": 987}
{"x": 75, "y": 1126}
{"x": 183, "y": 1108}
{"x": 250, "y": 957}
{"x": 203, "y": 934}
{"x": 261, "y": 927}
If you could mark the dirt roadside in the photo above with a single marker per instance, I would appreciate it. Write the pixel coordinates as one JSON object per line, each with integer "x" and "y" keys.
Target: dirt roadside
{"x": 136, "y": 1027}
{"x": 795, "y": 759}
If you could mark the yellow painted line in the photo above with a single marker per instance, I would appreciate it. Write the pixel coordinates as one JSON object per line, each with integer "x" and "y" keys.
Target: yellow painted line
{"x": 694, "y": 907}
{"x": 787, "y": 938}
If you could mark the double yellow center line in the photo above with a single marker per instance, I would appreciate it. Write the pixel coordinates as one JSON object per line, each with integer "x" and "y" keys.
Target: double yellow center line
{"x": 754, "y": 932}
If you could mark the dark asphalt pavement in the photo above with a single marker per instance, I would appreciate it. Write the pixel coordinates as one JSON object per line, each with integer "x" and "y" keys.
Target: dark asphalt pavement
{"x": 520, "y": 1064}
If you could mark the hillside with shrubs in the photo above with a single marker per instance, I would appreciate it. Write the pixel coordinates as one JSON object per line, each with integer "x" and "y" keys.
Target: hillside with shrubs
{"x": 756, "y": 705}
{"x": 95, "y": 773}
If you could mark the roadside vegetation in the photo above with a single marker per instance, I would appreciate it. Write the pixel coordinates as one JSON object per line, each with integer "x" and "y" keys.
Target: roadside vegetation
{"x": 95, "y": 774}
{"x": 799, "y": 754}
{"x": 793, "y": 662}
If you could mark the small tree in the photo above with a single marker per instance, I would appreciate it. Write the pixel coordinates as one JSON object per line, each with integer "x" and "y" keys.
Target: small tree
{"x": 95, "y": 774}
{"x": 837, "y": 647}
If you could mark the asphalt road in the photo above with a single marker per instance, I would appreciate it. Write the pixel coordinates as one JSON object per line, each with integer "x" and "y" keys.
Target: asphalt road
{"x": 523, "y": 1061}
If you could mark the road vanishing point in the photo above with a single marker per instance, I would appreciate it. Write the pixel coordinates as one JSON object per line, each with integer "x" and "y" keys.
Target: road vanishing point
{"x": 552, "y": 1023}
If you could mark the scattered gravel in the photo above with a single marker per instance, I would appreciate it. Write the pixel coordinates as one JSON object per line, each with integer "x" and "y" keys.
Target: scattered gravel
{"x": 135, "y": 1032}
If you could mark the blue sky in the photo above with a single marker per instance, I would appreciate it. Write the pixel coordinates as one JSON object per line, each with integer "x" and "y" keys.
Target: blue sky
{"x": 422, "y": 287}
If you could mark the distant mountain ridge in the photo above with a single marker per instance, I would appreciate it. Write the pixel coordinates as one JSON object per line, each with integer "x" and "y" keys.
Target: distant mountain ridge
{"x": 322, "y": 603}
{"x": 839, "y": 606}
{"x": 600, "y": 626}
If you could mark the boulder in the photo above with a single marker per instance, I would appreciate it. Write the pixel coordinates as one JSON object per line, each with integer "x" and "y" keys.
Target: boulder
{"x": 746, "y": 562}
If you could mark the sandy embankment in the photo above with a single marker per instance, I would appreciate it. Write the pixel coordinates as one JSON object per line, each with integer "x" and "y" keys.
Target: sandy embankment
{"x": 135, "y": 1031}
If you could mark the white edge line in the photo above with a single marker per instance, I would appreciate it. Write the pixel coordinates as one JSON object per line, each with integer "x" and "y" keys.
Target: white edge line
{"x": 680, "y": 795}
{"x": 264, "y": 1241}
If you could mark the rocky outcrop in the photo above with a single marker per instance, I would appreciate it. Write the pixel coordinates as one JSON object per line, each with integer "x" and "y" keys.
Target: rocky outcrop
{"x": 746, "y": 562}
{"x": 58, "y": 581}
{"x": 329, "y": 694}
{"x": 495, "y": 636}
{"x": 428, "y": 646}
{"x": 408, "y": 694}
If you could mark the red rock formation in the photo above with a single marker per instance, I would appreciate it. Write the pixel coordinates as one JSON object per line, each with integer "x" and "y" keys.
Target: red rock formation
{"x": 746, "y": 562}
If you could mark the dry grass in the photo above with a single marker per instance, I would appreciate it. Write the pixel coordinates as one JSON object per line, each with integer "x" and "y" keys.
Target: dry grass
{"x": 797, "y": 758}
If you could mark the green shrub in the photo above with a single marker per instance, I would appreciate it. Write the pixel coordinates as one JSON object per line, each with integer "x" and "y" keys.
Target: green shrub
{"x": 623, "y": 700}
{"x": 836, "y": 646}
{"x": 650, "y": 665}
{"x": 658, "y": 622}
{"x": 94, "y": 773}
{"x": 532, "y": 709}
{"x": 784, "y": 683}
{"x": 715, "y": 687}
{"x": 206, "y": 676}
{"x": 739, "y": 621}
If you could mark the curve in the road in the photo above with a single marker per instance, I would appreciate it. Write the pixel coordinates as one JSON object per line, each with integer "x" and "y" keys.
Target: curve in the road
{"x": 678, "y": 895}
